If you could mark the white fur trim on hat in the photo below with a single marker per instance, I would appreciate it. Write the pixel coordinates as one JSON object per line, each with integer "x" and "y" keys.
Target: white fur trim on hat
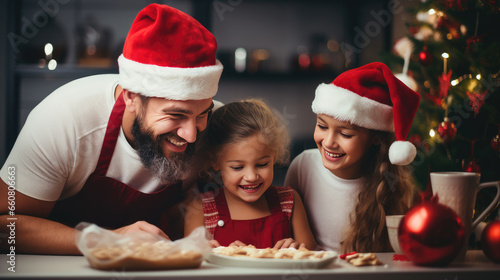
{"x": 173, "y": 83}
{"x": 402, "y": 152}
{"x": 346, "y": 105}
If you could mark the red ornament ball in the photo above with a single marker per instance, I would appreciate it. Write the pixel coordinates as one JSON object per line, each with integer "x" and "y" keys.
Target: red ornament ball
{"x": 447, "y": 130}
{"x": 490, "y": 241}
{"x": 431, "y": 234}
{"x": 425, "y": 57}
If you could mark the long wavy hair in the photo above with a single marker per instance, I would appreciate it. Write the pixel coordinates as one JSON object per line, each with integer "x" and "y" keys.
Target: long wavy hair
{"x": 389, "y": 190}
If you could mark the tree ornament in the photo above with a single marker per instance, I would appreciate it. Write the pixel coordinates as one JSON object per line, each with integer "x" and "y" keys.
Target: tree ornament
{"x": 490, "y": 241}
{"x": 431, "y": 234}
{"x": 404, "y": 48}
{"x": 447, "y": 130}
{"x": 425, "y": 57}
{"x": 444, "y": 84}
{"x": 476, "y": 100}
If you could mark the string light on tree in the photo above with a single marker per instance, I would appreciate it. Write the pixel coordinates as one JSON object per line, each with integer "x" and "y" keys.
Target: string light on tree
{"x": 432, "y": 133}
{"x": 445, "y": 58}
{"x": 444, "y": 80}
{"x": 460, "y": 79}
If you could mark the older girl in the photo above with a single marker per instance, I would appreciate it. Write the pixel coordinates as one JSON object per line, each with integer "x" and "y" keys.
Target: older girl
{"x": 356, "y": 176}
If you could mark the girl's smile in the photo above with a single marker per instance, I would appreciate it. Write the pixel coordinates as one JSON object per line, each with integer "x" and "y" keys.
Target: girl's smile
{"x": 251, "y": 188}
{"x": 333, "y": 156}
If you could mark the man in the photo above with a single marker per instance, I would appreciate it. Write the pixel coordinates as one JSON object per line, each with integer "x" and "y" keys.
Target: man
{"x": 113, "y": 149}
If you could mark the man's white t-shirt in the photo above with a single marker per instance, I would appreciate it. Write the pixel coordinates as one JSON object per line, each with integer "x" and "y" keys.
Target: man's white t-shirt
{"x": 328, "y": 199}
{"x": 59, "y": 145}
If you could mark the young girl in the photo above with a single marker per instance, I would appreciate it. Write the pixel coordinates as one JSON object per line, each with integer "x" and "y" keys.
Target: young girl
{"x": 243, "y": 141}
{"x": 355, "y": 177}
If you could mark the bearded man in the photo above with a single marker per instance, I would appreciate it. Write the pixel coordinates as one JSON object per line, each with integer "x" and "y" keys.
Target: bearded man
{"x": 114, "y": 150}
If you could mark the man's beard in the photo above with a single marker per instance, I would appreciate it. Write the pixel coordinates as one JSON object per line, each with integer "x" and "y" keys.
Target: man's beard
{"x": 175, "y": 168}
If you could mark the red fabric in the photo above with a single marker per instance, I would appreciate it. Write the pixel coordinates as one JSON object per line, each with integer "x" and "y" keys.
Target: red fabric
{"x": 262, "y": 233}
{"x": 164, "y": 36}
{"x": 108, "y": 202}
{"x": 285, "y": 195}
{"x": 210, "y": 213}
{"x": 375, "y": 81}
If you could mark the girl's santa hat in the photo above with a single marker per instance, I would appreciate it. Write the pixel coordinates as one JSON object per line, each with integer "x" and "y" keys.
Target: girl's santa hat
{"x": 372, "y": 97}
{"x": 169, "y": 54}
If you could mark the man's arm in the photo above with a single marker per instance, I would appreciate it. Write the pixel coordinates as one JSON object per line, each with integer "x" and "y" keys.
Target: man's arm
{"x": 34, "y": 234}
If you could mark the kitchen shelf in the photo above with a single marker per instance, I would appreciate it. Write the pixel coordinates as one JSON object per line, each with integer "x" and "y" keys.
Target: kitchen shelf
{"x": 61, "y": 71}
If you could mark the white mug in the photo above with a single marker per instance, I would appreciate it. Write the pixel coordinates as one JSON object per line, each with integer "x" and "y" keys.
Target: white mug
{"x": 458, "y": 191}
{"x": 392, "y": 223}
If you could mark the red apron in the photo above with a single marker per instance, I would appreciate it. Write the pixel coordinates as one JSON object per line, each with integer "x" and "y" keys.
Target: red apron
{"x": 110, "y": 203}
{"x": 262, "y": 233}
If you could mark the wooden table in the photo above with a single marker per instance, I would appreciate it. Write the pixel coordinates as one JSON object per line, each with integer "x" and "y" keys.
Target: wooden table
{"x": 475, "y": 266}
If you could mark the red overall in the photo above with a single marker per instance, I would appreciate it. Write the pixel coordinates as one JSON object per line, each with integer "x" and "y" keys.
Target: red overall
{"x": 108, "y": 202}
{"x": 262, "y": 233}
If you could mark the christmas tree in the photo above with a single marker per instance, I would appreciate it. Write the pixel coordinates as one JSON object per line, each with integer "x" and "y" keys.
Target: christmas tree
{"x": 451, "y": 57}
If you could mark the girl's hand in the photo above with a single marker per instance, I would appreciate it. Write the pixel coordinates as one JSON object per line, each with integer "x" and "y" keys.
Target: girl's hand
{"x": 214, "y": 243}
{"x": 289, "y": 243}
{"x": 237, "y": 243}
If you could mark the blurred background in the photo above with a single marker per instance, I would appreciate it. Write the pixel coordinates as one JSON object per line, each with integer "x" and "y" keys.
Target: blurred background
{"x": 280, "y": 51}
{"x": 275, "y": 50}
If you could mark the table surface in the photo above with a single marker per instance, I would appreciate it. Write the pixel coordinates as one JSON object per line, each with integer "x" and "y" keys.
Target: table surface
{"x": 475, "y": 266}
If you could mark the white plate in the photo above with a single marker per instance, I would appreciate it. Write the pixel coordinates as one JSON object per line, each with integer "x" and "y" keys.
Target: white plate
{"x": 272, "y": 263}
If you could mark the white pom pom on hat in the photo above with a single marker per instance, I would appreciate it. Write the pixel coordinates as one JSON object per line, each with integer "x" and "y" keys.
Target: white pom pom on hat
{"x": 402, "y": 153}
{"x": 372, "y": 97}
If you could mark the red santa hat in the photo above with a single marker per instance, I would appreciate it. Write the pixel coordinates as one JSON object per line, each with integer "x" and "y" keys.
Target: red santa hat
{"x": 372, "y": 97}
{"x": 169, "y": 54}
